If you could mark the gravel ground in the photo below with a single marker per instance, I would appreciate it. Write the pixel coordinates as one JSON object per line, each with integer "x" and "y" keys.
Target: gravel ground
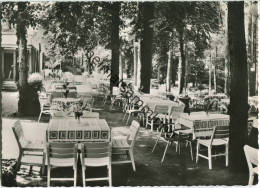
{"x": 176, "y": 170}
{"x": 9, "y": 103}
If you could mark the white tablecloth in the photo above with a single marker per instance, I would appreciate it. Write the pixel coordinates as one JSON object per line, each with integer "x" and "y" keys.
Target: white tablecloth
{"x": 205, "y": 120}
{"x": 151, "y": 102}
{"x": 201, "y": 117}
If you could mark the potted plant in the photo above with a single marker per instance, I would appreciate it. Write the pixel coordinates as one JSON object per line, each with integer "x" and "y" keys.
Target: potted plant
{"x": 34, "y": 87}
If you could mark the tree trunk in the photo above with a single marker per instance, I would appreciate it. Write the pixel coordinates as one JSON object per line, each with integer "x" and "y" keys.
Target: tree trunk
{"x": 227, "y": 64}
{"x": 239, "y": 84}
{"x": 174, "y": 70}
{"x": 158, "y": 72}
{"x": 215, "y": 78}
{"x": 226, "y": 77}
{"x": 120, "y": 67}
{"x": 146, "y": 9}
{"x": 1, "y": 80}
{"x": 114, "y": 77}
{"x": 169, "y": 72}
{"x": 215, "y": 71}
{"x": 183, "y": 67}
{"x": 28, "y": 104}
{"x": 135, "y": 62}
{"x": 1, "y": 75}
{"x": 138, "y": 66}
{"x": 250, "y": 50}
{"x": 129, "y": 64}
{"x": 21, "y": 33}
{"x": 254, "y": 36}
{"x": 256, "y": 52}
{"x": 179, "y": 74}
{"x": 163, "y": 58}
{"x": 210, "y": 70}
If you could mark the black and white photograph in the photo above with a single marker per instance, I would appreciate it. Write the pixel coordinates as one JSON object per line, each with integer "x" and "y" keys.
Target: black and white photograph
{"x": 129, "y": 93}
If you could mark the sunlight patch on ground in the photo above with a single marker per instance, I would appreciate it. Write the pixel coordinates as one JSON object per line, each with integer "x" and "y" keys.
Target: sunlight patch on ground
{"x": 141, "y": 145}
{"x": 23, "y": 176}
{"x": 193, "y": 168}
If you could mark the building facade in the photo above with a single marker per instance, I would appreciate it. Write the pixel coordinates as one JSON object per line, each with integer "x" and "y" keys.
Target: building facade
{"x": 10, "y": 67}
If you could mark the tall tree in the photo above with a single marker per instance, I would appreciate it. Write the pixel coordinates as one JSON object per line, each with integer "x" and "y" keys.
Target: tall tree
{"x": 22, "y": 15}
{"x": 69, "y": 27}
{"x": 192, "y": 22}
{"x": 239, "y": 84}
{"x": 147, "y": 15}
{"x": 252, "y": 43}
{"x": 115, "y": 44}
{"x": 226, "y": 51}
{"x": 21, "y": 32}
